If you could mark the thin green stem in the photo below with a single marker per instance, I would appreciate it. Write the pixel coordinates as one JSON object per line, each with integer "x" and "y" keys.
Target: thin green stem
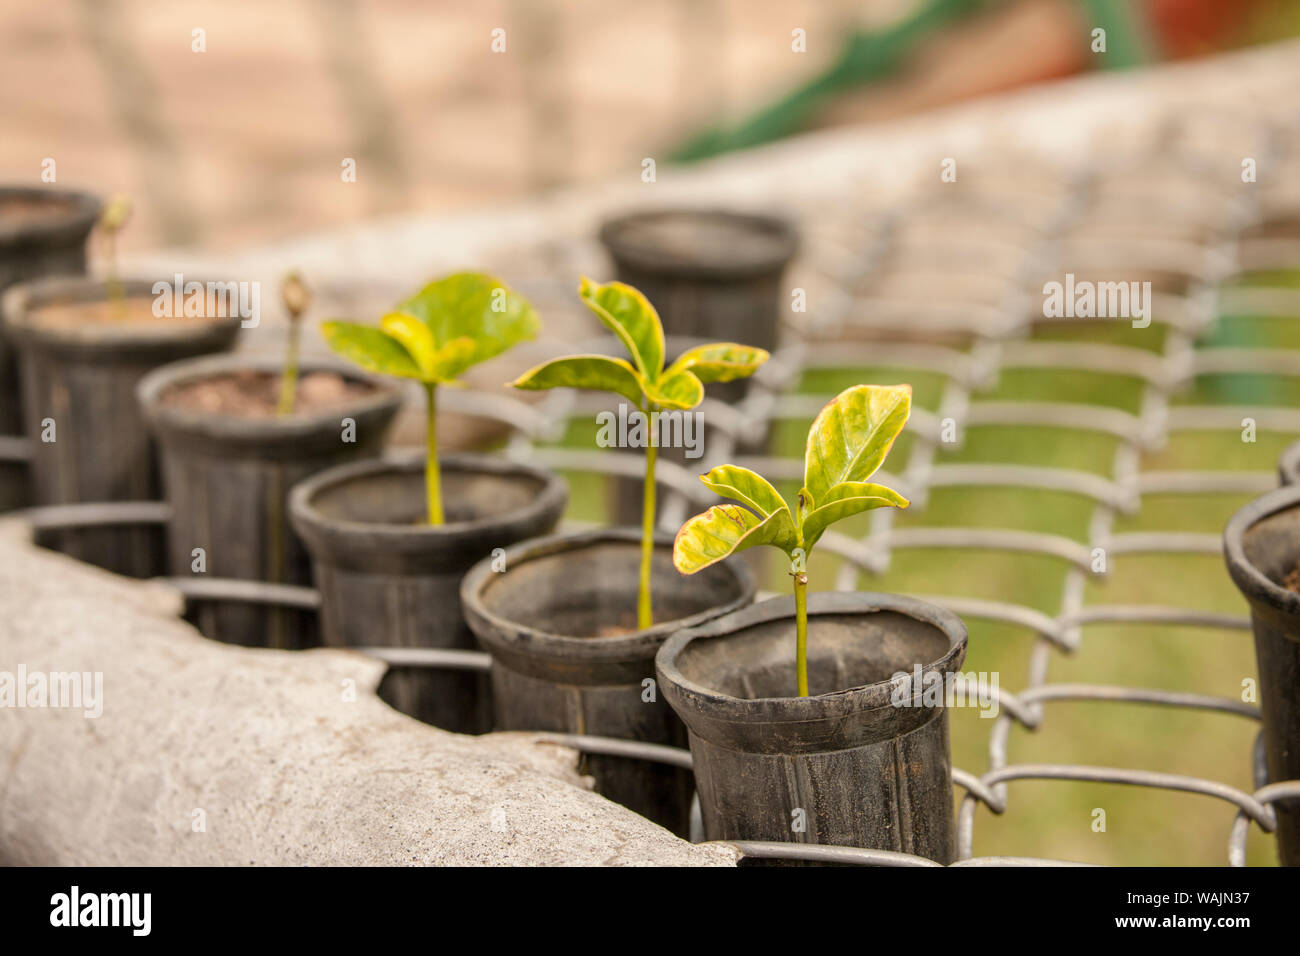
{"x": 116, "y": 290}
{"x": 801, "y": 630}
{"x": 432, "y": 476}
{"x": 644, "y": 616}
{"x": 289, "y": 380}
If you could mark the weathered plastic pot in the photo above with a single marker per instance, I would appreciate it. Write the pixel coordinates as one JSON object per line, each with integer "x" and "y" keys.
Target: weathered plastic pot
{"x": 710, "y": 273}
{"x": 227, "y": 480}
{"x": 81, "y": 377}
{"x": 387, "y": 579}
{"x": 1261, "y": 545}
{"x": 539, "y": 612}
{"x": 847, "y": 766}
{"x": 48, "y": 239}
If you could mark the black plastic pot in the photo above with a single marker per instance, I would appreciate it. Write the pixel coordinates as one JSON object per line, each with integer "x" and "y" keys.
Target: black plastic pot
{"x": 389, "y": 580}
{"x": 50, "y": 244}
{"x": 227, "y": 481}
{"x": 1261, "y": 545}
{"x": 711, "y": 273}
{"x": 541, "y": 618}
{"x": 864, "y": 771}
{"x": 83, "y": 377}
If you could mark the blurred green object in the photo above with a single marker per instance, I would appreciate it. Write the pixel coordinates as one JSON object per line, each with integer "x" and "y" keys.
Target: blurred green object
{"x": 871, "y": 56}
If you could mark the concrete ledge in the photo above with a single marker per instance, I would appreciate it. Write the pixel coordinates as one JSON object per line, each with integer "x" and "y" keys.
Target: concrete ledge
{"x": 210, "y": 754}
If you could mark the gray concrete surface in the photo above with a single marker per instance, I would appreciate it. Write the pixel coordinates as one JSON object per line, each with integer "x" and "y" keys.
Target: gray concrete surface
{"x": 210, "y": 754}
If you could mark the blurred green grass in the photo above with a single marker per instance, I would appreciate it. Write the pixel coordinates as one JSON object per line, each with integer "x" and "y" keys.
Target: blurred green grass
{"x": 1054, "y": 819}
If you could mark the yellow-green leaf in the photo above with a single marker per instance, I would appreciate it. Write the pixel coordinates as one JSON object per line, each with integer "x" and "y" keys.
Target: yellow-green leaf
{"x": 474, "y": 306}
{"x": 847, "y": 498}
{"x": 720, "y": 361}
{"x": 585, "y": 371}
{"x": 370, "y": 348}
{"x": 677, "y": 390}
{"x": 629, "y": 315}
{"x": 415, "y": 337}
{"x": 725, "y": 530}
{"x": 450, "y": 361}
{"x": 747, "y": 487}
{"x": 852, "y": 435}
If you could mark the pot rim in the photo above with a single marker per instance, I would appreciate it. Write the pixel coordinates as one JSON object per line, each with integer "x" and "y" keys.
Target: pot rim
{"x": 1288, "y": 464}
{"x": 724, "y": 707}
{"x": 648, "y": 259}
{"x": 553, "y": 493}
{"x": 636, "y": 645}
{"x": 74, "y": 227}
{"x": 150, "y": 388}
{"x": 1253, "y": 583}
{"x": 24, "y": 298}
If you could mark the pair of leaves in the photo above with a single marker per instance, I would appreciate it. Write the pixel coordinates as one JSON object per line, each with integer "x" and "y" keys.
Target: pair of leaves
{"x": 448, "y": 326}
{"x": 644, "y": 381}
{"x": 846, "y": 445}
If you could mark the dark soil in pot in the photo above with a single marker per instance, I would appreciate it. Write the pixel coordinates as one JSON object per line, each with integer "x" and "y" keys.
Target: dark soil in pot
{"x": 1262, "y": 549}
{"x": 387, "y": 579}
{"x": 847, "y": 763}
{"x": 560, "y": 624}
{"x": 79, "y": 364}
{"x": 42, "y": 232}
{"x": 228, "y": 461}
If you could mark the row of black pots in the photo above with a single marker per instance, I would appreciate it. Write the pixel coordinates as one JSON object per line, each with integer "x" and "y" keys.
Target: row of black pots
{"x": 286, "y": 501}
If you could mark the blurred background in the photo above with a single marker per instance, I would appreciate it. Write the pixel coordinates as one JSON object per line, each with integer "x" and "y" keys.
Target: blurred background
{"x": 242, "y": 143}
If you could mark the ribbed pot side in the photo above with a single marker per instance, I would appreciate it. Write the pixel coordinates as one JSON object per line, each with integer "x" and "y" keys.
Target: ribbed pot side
{"x": 558, "y": 616}
{"x": 50, "y": 243}
{"x": 82, "y": 377}
{"x": 846, "y": 766}
{"x": 1262, "y": 547}
{"x": 227, "y": 481}
{"x": 711, "y": 274}
{"x": 387, "y": 579}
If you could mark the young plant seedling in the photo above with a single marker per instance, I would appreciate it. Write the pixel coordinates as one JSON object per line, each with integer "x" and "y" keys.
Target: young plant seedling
{"x": 297, "y": 297}
{"x": 846, "y": 445}
{"x": 434, "y": 337}
{"x": 116, "y": 214}
{"x": 644, "y": 382}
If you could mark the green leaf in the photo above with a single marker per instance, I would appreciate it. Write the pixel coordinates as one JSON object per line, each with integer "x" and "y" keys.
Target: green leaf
{"x": 749, "y": 488}
{"x": 585, "y": 371}
{"x": 847, "y": 498}
{"x": 852, "y": 435}
{"x": 725, "y": 530}
{"x": 451, "y": 361}
{"x": 677, "y": 390}
{"x": 474, "y": 306}
{"x": 370, "y": 348}
{"x": 630, "y": 316}
{"x": 415, "y": 337}
{"x": 720, "y": 361}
